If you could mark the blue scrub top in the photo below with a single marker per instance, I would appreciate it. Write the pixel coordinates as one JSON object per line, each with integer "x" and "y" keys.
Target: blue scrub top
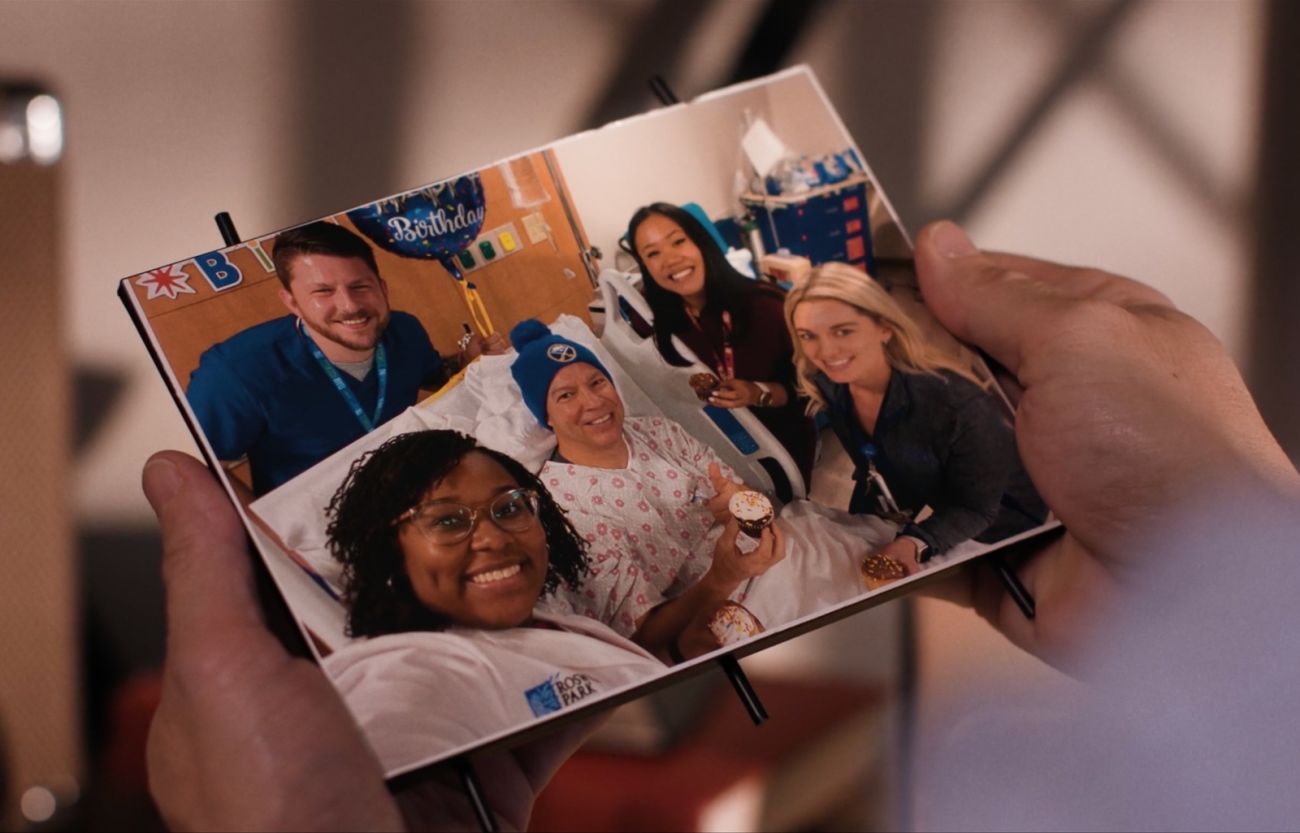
{"x": 261, "y": 393}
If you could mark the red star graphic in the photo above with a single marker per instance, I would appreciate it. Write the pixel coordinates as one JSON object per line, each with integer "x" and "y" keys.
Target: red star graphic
{"x": 168, "y": 282}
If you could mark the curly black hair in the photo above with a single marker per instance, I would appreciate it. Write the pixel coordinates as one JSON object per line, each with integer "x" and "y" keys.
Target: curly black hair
{"x": 724, "y": 287}
{"x": 385, "y": 482}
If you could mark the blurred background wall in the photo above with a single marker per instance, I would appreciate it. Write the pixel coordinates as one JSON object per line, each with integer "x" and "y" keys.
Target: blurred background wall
{"x": 1125, "y": 134}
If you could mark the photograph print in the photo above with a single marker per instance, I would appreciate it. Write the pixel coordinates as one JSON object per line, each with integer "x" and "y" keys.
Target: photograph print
{"x": 533, "y": 438}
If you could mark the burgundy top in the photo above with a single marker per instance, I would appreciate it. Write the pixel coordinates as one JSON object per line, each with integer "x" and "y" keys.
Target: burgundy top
{"x": 764, "y": 353}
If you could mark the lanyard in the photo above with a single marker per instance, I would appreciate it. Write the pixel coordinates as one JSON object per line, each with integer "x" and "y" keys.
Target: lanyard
{"x": 889, "y": 508}
{"x": 727, "y": 366}
{"x": 381, "y": 367}
{"x": 886, "y": 497}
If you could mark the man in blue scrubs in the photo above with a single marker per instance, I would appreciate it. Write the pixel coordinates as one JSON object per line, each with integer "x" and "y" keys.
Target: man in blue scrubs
{"x": 289, "y": 392}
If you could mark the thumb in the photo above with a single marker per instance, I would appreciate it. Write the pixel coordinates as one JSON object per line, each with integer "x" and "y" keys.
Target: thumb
{"x": 980, "y": 300}
{"x": 206, "y": 569}
{"x": 715, "y": 475}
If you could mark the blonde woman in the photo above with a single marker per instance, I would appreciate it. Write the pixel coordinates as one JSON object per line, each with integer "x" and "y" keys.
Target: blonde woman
{"x": 921, "y": 428}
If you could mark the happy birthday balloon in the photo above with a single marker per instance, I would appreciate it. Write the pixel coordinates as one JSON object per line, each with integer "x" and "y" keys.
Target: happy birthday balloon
{"x": 437, "y": 222}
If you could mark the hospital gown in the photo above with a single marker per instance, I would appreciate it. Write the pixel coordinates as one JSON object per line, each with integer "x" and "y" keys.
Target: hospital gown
{"x": 651, "y": 535}
{"x": 422, "y": 695}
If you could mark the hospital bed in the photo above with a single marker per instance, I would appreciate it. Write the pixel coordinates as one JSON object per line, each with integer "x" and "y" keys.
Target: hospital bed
{"x": 484, "y": 401}
{"x": 737, "y": 435}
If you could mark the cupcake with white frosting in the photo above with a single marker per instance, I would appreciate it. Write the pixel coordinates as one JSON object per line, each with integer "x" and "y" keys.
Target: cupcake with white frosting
{"x": 752, "y": 511}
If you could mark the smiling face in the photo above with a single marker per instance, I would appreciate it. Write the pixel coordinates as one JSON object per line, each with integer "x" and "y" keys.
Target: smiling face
{"x": 585, "y": 412}
{"x": 672, "y": 258}
{"x": 343, "y": 303}
{"x": 493, "y": 578}
{"x": 842, "y": 342}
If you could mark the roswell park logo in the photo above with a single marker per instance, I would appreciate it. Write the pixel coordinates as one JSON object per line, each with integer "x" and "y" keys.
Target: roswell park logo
{"x": 562, "y": 353}
{"x": 559, "y": 692}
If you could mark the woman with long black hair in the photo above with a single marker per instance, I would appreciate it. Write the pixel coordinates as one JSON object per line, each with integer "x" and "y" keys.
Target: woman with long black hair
{"x": 732, "y": 323}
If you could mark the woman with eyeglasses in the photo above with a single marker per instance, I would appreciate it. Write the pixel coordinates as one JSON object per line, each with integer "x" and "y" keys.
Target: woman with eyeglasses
{"x": 446, "y": 548}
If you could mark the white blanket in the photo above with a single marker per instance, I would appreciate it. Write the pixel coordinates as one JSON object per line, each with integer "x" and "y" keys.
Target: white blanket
{"x": 651, "y": 536}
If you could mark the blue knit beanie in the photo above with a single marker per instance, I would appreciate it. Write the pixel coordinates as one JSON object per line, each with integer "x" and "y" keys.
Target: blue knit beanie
{"x": 542, "y": 354}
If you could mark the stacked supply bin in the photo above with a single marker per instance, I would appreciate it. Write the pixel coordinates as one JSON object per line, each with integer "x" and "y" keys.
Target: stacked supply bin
{"x": 823, "y": 224}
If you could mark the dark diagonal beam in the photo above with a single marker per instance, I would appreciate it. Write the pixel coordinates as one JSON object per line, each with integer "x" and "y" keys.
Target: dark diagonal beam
{"x": 1271, "y": 369}
{"x": 353, "y": 68}
{"x": 1173, "y": 151}
{"x": 1080, "y": 58}
{"x": 775, "y": 33}
{"x": 652, "y": 45}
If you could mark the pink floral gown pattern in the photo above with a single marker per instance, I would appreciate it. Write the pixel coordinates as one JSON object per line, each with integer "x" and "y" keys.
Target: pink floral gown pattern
{"x": 648, "y": 526}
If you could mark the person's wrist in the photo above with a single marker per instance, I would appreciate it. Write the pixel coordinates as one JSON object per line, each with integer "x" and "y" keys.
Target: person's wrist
{"x": 764, "y": 398}
{"x": 717, "y": 585}
{"x": 922, "y": 549}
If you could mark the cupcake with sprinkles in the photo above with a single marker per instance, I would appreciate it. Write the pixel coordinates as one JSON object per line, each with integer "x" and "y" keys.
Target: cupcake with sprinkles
{"x": 752, "y": 511}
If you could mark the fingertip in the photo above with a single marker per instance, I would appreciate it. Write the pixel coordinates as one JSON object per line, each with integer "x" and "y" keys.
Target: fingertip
{"x": 179, "y": 486}
{"x": 161, "y": 480}
{"x": 936, "y": 249}
{"x": 973, "y": 297}
{"x": 206, "y": 572}
{"x": 947, "y": 240}
{"x": 165, "y": 474}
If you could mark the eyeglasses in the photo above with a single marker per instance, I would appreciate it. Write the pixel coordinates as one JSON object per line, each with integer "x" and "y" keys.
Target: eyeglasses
{"x": 450, "y": 523}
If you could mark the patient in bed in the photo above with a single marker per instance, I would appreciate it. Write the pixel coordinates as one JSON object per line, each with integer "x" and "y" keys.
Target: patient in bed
{"x": 650, "y": 500}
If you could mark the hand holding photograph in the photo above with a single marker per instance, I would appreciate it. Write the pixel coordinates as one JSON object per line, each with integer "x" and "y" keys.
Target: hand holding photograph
{"x": 541, "y": 437}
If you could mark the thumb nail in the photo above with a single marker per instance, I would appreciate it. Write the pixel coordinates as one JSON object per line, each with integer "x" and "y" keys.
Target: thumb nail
{"x": 161, "y": 482}
{"x": 950, "y": 241}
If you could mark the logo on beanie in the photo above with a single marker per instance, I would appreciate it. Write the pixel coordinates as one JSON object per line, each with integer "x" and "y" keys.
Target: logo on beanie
{"x": 561, "y": 353}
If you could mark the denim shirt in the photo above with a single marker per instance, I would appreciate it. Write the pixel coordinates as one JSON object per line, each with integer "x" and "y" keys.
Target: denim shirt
{"x": 940, "y": 441}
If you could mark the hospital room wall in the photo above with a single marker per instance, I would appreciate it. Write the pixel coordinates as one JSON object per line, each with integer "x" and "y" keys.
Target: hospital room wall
{"x": 40, "y": 697}
{"x": 679, "y": 156}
